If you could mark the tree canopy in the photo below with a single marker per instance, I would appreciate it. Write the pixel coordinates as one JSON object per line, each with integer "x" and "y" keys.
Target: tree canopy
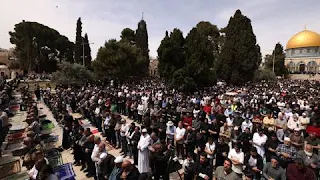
{"x": 128, "y": 35}
{"x": 171, "y": 54}
{"x": 72, "y": 74}
{"x": 119, "y": 60}
{"x": 187, "y": 63}
{"x": 278, "y": 56}
{"x": 39, "y": 47}
{"x": 240, "y": 55}
{"x": 202, "y": 50}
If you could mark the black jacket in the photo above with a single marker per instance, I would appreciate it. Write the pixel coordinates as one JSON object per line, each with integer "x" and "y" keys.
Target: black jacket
{"x": 133, "y": 175}
{"x": 259, "y": 162}
{"x": 107, "y": 165}
{"x": 205, "y": 168}
{"x": 135, "y": 139}
{"x": 190, "y": 138}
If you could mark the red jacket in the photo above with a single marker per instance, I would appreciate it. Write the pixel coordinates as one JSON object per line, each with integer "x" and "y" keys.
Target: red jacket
{"x": 188, "y": 121}
{"x": 207, "y": 109}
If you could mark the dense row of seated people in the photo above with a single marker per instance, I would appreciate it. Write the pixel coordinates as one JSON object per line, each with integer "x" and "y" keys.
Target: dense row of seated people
{"x": 33, "y": 152}
{"x": 5, "y": 98}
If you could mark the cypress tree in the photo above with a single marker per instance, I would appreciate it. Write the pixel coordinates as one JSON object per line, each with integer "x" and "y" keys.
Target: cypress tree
{"x": 240, "y": 55}
{"x": 78, "y": 45}
{"x": 142, "y": 42}
{"x": 87, "y": 51}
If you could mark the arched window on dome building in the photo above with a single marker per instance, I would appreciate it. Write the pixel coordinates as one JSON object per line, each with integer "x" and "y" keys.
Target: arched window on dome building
{"x": 312, "y": 67}
{"x": 301, "y": 67}
{"x": 291, "y": 67}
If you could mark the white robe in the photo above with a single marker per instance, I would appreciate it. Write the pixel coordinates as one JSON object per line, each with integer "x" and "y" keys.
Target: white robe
{"x": 259, "y": 142}
{"x": 143, "y": 153}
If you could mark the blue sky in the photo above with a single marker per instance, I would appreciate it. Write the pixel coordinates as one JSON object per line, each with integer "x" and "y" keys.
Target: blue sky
{"x": 272, "y": 20}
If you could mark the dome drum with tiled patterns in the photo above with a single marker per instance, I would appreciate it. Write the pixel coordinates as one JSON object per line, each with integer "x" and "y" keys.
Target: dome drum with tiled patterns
{"x": 303, "y": 53}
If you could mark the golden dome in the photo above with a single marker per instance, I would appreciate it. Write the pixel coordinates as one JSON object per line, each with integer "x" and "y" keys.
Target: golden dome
{"x": 304, "y": 38}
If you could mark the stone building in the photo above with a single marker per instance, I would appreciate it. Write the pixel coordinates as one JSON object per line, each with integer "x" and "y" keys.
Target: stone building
{"x": 6, "y": 58}
{"x": 153, "y": 67}
{"x": 303, "y": 53}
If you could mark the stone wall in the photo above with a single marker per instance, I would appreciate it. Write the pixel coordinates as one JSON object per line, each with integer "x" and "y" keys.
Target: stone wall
{"x": 305, "y": 77}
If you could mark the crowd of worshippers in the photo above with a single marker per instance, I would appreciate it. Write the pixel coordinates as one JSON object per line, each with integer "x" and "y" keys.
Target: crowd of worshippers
{"x": 268, "y": 130}
{"x": 33, "y": 152}
{"x": 5, "y": 98}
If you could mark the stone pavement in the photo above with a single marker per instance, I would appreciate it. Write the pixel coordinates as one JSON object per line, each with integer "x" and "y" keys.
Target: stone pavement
{"x": 67, "y": 155}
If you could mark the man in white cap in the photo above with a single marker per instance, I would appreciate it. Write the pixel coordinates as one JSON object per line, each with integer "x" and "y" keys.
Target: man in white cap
{"x": 296, "y": 139}
{"x": 143, "y": 151}
{"x": 304, "y": 120}
{"x": 286, "y": 152}
{"x": 116, "y": 172}
{"x": 170, "y": 132}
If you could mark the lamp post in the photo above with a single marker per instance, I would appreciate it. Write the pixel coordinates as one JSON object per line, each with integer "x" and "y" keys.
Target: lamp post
{"x": 83, "y": 57}
{"x": 273, "y": 58}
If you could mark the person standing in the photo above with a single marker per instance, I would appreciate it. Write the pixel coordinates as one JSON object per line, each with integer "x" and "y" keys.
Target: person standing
{"x": 222, "y": 151}
{"x": 202, "y": 169}
{"x": 116, "y": 171}
{"x": 259, "y": 140}
{"x": 254, "y": 163}
{"x": 210, "y": 150}
{"x": 310, "y": 159}
{"x": 272, "y": 170}
{"x": 143, "y": 151}
{"x": 271, "y": 146}
{"x": 134, "y": 139}
{"x": 286, "y": 152}
{"x": 225, "y": 171}
{"x": 129, "y": 171}
{"x": 179, "y": 139}
{"x": 66, "y": 141}
{"x": 237, "y": 158}
{"x": 298, "y": 171}
{"x": 124, "y": 144}
{"x": 171, "y": 129}
{"x": 190, "y": 140}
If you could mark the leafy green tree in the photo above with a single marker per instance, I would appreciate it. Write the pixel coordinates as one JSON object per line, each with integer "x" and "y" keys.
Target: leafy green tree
{"x": 87, "y": 51}
{"x": 202, "y": 49}
{"x": 119, "y": 60}
{"x": 39, "y": 47}
{"x": 240, "y": 55}
{"x": 182, "y": 81}
{"x": 189, "y": 63}
{"x": 79, "y": 41}
{"x": 142, "y": 42}
{"x": 72, "y": 74}
{"x": 278, "y": 56}
{"x": 264, "y": 74}
{"x": 128, "y": 35}
{"x": 171, "y": 54}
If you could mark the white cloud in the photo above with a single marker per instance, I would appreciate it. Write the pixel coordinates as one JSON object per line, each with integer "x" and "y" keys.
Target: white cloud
{"x": 273, "y": 21}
